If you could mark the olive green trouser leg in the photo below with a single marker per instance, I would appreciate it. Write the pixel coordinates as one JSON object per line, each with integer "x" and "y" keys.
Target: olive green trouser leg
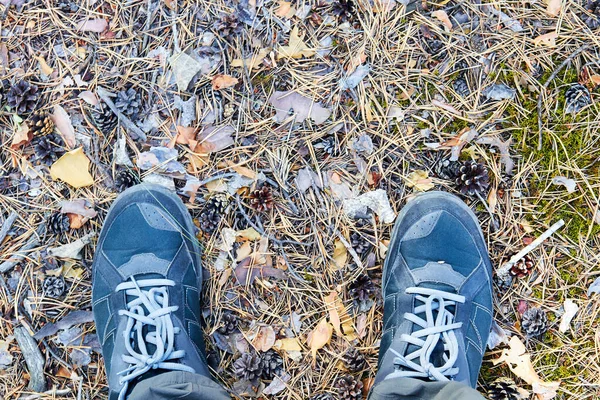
{"x": 416, "y": 389}
{"x": 178, "y": 385}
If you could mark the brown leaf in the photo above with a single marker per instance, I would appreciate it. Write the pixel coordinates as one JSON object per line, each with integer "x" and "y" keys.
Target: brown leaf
{"x": 285, "y": 9}
{"x": 22, "y": 136}
{"x": 443, "y": 18}
{"x": 245, "y": 273}
{"x": 186, "y": 135}
{"x": 549, "y": 39}
{"x": 340, "y": 255}
{"x": 221, "y": 81}
{"x": 63, "y": 123}
{"x": 334, "y": 317}
{"x": 264, "y": 339}
{"x": 554, "y": 7}
{"x": 214, "y": 138}
{"x": 319, "y": 337}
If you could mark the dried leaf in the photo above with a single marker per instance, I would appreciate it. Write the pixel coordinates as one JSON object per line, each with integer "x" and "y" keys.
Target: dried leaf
{"x": 548, "y": 39}
{"x": 22, "y": 136}
{"x": 340, "y": 255}
{"x": 72, "y": 318}
{"x": 443, "y": 18}
{"x": 569, "y": 184}
{"x": 186, "y": 135}
{"x": 503, "y": 148}
{"x": 319, "y": 337}
{"x": 376, "y": 201}
{"x": 352, "y": 81}
{"x": 497, "y": 336}
{"x": 571, "y": 309}
{"x": 73, "y": 168}
{"x": 97, "y": 25}
{"x": 330, "y": 302}
{"x": 6, "y": 358}
{"x": 214, "y": 138}
{"x": 78, "y": 206}
{"x": 264, "y": 339}
{"x": 296, "y": 48}
{"x": 63, "y": 124}
{"x": 44, "y": 67}
{"x": 307, "y": 178}
{"x": 161, "y": 159}
{"x": 246, "y": 274}
{"x": 290, "y": 102}
{"x": 221, "y": 81}
{"x": 89, "y": 98}
{"x": 285, "y": 9}
{"x": 499, "y": 91}
{"x": 251, "y": 62}
{"x": 71, "y": 250}
{"x": 288, "y": 344}
{"x": 278, "y": 384}
{"x": 249, "y": 234}
{"x": 420, "y": 180}
{"x": 228, "y": 237}
{"x": 185, "y": 68}
{"x": 554, "y": 7}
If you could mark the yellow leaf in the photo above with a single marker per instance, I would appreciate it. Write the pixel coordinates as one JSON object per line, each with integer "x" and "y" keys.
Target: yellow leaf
{"x": 73, "y": 168}
{"x": 549, "y": 39}
{"x": 420, "y": 180}
{"x": 334, "y": 317}
{"x": 340, "y": 255}
{"x": 339, "y": 317}
{"x": 288, "y": 344}
{"x": 251, "y": 62}
{"x": 321, "y": 336}
{"x": 69, "y": 270}
{"x": 296, "y": 48}
{"x": 492, "y": 199}
{"x": 249, "y": 234}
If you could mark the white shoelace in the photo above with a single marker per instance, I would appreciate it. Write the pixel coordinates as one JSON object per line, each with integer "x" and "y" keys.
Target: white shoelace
{"x": 434, "y": 328}
{"x": 149, "y": 308}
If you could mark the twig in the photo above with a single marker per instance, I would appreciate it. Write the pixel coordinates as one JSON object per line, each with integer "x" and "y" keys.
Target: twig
{"x": 33, "y": 358}
{"x": 492, "y": 219}
{"x": 6, "y": 225}
{"x": 348, "y": 247}
{"x": 504, "y": 269}
{"x": 33, "y": 241}
{"x": 545, "y": 87}
{"x": 52, "y": 392}
{"x": 105, "y": 95}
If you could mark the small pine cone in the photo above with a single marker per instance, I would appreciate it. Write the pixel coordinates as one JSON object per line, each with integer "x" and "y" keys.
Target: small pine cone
{"x": 104, "y": 119}
{"x": 126, "y": 178}
{"x": 229, "y": 324}
{"x": 211, "y": 215}
{"x": 48, "y": 148}
{"x": 447, "y": 169}
{"x": 534, "y": 322}
{"x": 22, "y": 97}
{"x": 40, "y": 123}
{"x": 54, "y": 286}
{"x": 354, "y": 360}
{"x": 129, "y": 102}
{"x": 577, "y": 97}
{"x": 229, "y": 27}
{"x": 360, "y": 243}
{"x": 248, "y": 366}
{"x": 349, "y": 388}
{"x": 272, "y": 365}
{"x": 503, "y": 389}
{"x": 522, "y": 267}
{"x": 461, "y": 87}
{"x": 58, "y": 223}
{"x": 322, "y": 396}
{"x": 473, "y": 179}
{"x": 362, "y": 289}
{"x": 261, "y": 199}
{"x": 343, "y": 9}
{"x": 503, "y": 282}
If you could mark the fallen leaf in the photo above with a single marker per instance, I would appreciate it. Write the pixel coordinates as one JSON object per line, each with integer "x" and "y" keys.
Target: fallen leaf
{"x": 161, "y": 159}
{"x": 420, "y": 180}
{"x": 73, "y": 168}
{"x": 70, "y": 270}
{"x": 554, "y": 7}
{"x": 291, "y": 103}
{"x": 296, "y": 48}
{"x": 497, "y": 336}
{"x": 22, "y": 136}
{"x": 246, "y": 274}
{"x": 249, "y": 234}
{"x": 44, "y": 67}
{"x": 571, "y": 309}
{"x": 97, "y": 25}
{"x": 352, "y": 81}
{"x": 288, "y": 344}
{"x": 214, "y": 138}
{"x": 319, "y": 337}
{"x": 503, "y": 148}
{"x": 361, "y": 325}
{"x": 376, "y": 201}
{"x": 383, "y": 6}
{"x": 89, "y": 98}
{"x": 228, "y": 237}
{"x": 340, "y": 255}
{"x": 278, "y": 384}
{"x": 492, "y": 200}
{"x": 569, "y": 184}
{"x": 63, "y": 124}
{"x": 222, "y": 81}
{"x": 285, "y": 9}
{"x": 307, "y": 178}
{"x": 73, "y": 249}
{"x": 243, "y": 171}
{"x": 72, "y": 318}
{"x": 499, "y": 91}
{"x": 251, "y": 62}
{"x": 6, "y": 358}
{"x": 264, "y": 339}
{"x": 548, "y": 39}
{"x": 443, "y": 18}
{"x": 334, "y": 317}
{"x": 78, "y": 206}
{"x": 185, "y": 68}
{"x": 186, "y": 135}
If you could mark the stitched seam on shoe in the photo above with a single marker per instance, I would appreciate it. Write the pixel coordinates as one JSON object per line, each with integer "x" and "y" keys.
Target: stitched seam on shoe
{"x": 483, "y": 308}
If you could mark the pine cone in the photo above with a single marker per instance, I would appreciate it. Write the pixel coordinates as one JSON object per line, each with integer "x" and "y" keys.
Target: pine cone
{"x": 54, "y": 286}
{"x": 354, "y": 360}
{"x": 229, "y": 27}
{"x": 58, "y": 223}
{"x": 129, "y": 102}
{"x": 461, "y": 87}
{"x": 67, "y": 6}
{"x": 211, "y": 215}
{"x": 360, "y": 243}
{"x": 229, "y": 324}
{"x": 322, "y": 396}
{"x": 473, "y": 179}
{"x": 592, "y": 21}
{"x": 576, "y": 98}
{"x": 534, "y": 322}
{"x": 522, "y": 267}
{"x": 23, "y": 97}
{"x": 272, "y": 365}
{"x": 361, "y": 291}
{"x": 503, "y": 389}
{"x": 40, "y": 123}
{"x": 104, "y": 119}
{"x": 503, "y": 282}
{"x": 447, "y": 169}
{"x": 262, "y": 198}
{"x": 248, "y": 366}
{"x": 48, "y": 148}
{"x": 349, "y": 388}
{"x": 343, "y": 9}
{"x": 126, "y": 178}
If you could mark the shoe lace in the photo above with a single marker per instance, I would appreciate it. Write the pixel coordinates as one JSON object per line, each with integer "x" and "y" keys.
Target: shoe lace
{"x": 435, "y": 327}
{"x": 148, "y": 322}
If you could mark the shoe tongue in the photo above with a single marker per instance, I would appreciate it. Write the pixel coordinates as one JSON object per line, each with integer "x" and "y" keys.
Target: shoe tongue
{"x": 437, "y": 286}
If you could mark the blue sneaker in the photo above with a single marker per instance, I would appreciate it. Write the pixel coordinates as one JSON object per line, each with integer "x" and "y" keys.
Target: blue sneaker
{"x": 437, "y": 293}
{"x": 147, "y": 280}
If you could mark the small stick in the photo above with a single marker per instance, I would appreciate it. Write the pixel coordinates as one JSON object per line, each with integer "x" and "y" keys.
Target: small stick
{"x": 33, "y": 358}
{"x": 126, "y": 122}
{"x": 33, "y": 241}
{"x": 492, "y": 219}
{"x": 52, "y": 392}
{"x": 6, "y": 225}
{"x": 348, "y": 247}
{"x": 502, "y": 271}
